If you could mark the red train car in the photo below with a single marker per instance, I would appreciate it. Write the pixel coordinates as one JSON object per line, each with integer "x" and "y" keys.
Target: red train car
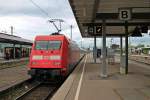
{"x": 53, "y": 55}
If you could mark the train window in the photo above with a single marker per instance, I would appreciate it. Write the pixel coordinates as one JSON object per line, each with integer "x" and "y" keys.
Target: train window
{"x": 41, "y": 45}
{"x": 54, "y": 45}
{"x": 47, "y": 45}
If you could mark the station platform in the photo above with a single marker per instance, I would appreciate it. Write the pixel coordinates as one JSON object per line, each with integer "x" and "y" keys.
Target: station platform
{"x": 13, "y": 62}
{"x": 3, "y": 61}
{"x": 12, "y": 76}
{"x": 85, "y": 82}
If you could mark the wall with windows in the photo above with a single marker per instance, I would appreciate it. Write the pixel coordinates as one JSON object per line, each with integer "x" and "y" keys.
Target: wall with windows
{"x": 7, "y": 51}
{"x": 2, "y": 49}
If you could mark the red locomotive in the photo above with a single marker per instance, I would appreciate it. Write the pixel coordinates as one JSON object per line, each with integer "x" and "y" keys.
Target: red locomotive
{"x": 53, "y": 55}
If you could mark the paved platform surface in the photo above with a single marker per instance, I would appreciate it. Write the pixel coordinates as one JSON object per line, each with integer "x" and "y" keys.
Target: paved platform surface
{"x": 11, "y": 76}
{"x": 85, "y": 83}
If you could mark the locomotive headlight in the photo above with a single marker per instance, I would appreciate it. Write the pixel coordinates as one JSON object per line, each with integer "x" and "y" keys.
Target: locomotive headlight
{"x": 55, "y": 57}
{"x": 37, "y": 57}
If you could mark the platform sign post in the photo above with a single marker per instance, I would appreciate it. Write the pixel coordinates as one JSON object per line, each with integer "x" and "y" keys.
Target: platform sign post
{"x": 125, "y": 15}
{"x": 103, "y": 67}
{"x": 126, "y": 47}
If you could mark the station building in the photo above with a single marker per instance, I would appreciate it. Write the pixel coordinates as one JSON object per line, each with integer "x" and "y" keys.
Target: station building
{"x": 12, "y": 47}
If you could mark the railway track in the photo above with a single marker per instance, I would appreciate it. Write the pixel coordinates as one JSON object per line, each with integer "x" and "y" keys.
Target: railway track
{"x": 42, "y": 91}
{"x": 14, "y": 91}
{"x": 32, "y": 89}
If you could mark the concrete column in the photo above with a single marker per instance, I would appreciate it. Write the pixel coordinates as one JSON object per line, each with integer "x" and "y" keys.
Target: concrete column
{"x": 104, "y": 67}
{"x": 126, "y": 47}
{"x": 95, "y": 49}
{"x": 122, "y": 58}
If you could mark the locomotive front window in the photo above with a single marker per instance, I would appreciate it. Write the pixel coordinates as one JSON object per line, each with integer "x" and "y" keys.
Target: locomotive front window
{"x": 47, "y": 45}
{"x": 41, "y": 45}
{"x": 54, "y": 45}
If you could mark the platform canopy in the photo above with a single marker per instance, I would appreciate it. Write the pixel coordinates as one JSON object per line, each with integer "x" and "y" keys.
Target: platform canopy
{"x": 6, "y": 38}
{"x": 90, "y": 13}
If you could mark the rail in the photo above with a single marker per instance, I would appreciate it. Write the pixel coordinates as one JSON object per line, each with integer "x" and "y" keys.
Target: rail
{"x": 42, "y": 91}
{"x": 17, "y": 89}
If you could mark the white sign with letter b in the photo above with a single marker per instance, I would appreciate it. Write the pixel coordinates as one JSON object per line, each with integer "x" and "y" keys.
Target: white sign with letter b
{"x": 125, "y": 14}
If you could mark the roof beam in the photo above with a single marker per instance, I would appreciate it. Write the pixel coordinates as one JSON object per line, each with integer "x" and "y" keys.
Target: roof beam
{"x": 95, "y": 9}
{"x": 116, "y": 16}
{"x": 108, "y": 35}
{"x": 118, "y": 24}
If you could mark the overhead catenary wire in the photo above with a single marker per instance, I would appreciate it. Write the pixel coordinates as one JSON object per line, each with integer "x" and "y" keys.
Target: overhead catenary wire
{"x": 44, "y": 12}
{"x": 68, "y": 25}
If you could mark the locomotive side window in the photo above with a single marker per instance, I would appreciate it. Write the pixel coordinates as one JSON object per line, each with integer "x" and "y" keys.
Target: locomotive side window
{"x": 41, "y": 45}
{"x": 54, "y": 45}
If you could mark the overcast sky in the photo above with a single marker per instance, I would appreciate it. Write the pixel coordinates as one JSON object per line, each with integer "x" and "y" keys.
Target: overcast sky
{"x": 28, "y": 20}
